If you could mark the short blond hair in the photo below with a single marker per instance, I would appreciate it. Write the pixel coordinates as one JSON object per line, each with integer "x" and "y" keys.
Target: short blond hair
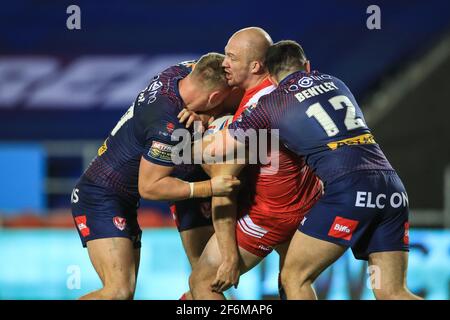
{"x": 209, "y": 71}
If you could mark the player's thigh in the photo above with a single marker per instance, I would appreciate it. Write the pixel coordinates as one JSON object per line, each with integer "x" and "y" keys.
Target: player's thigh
{"x": 137, "y": 260}
{"x": 282, "y": 249}
{"x": 307, "y": 256}
{"x": 114, "y": 259}
{"x": 211, "y": 259}
{"x": 194, "y": 242}
{"x": 388, "y": 270}
{"x": 247, "y": 260}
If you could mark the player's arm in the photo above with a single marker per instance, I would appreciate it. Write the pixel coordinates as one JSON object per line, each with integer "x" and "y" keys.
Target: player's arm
{"x": 224, "y": 221}
{"x": 157, "y": 123}
{"x": 224, "y": 209}
{"x": 233, "y": 144}
{"x": 155, "y": 183}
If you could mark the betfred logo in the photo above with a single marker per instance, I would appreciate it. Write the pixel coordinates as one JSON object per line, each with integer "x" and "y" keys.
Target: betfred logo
{"x": 120, "y": 223}
{"x": 406, "y": 236}
{"x": 343, "y": 228}
{"x": 81, "y": 225}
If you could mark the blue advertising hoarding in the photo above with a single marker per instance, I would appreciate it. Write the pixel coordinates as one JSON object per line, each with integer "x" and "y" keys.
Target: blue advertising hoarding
{"x": 51, "y": 264}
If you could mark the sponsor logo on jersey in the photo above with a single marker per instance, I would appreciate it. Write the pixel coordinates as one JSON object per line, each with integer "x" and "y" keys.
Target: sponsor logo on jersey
{"x": 170, "y": 127}
{"x": 120, "y": 223}
{"x": 366, "y": 138}
{"x": 160, "y": 151}
{"x": 343, "y": 228}
{"x": 155, "y": 86}
{"x": 367, "y": 199}
{"x": 305, "y": 82}
{"x": 102, "y": 148}
{"x": 406, "y": 236}
{"x": 313, "y": 91}
{"x": 81, "y": 222}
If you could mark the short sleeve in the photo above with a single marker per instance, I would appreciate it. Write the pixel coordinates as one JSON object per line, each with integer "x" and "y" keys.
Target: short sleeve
{"x": 157, "y": 122}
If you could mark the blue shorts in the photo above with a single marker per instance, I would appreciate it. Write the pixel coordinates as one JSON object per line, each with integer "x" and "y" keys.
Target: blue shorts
{"x": 100, "y": 213}
{"x": 364, "y": 210}
{"x": 192, "y": 213}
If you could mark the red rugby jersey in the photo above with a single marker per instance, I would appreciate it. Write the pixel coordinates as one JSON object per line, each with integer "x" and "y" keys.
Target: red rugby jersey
{"x": 293, "y": 188}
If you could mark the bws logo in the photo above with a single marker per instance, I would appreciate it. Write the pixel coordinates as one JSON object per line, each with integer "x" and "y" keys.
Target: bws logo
{"x": 120, "y": 223}
{"x": 81, "y": 225}
{"x": 343, "y": 228}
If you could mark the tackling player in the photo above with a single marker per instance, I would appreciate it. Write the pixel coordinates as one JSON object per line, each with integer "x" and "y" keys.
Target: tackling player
{"x": 364, "y": 206}
{"x": 135, "y": 161}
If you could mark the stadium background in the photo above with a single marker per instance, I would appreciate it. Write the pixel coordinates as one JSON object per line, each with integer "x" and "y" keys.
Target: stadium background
{"x": 61, "y": 92}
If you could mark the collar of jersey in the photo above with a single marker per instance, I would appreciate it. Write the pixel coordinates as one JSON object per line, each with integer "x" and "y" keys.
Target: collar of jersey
{"x": 289, "y": 77}
{"x": 263, "y": 84}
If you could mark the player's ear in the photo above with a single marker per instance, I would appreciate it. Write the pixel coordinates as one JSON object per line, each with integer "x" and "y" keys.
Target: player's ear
{"x": 256, "y": 66}
{"x": 215, "y": 98}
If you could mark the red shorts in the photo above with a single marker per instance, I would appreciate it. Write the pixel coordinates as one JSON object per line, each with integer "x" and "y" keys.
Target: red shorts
{"x": 260, "y": 234}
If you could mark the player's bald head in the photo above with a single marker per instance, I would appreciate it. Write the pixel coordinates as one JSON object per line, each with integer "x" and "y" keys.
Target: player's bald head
{"x": 244, "y": 61}
{"x": 254, "y": 40}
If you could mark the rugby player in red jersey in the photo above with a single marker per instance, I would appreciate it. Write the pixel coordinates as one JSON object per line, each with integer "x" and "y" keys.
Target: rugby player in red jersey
{"x": 280, "y": 197}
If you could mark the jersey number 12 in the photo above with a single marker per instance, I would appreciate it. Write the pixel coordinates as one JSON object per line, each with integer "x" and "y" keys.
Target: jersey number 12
{"x": 338, "y": 102}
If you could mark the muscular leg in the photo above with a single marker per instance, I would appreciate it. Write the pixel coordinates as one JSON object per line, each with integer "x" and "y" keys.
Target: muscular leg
{"x": 224, "y": 222}
{"x": 282, "y": 251}
{"x": 117, "y": 264}
{"x": 389, "y": 275}
{"x": 306, "y": 258}
{"x": 194, "y": 242}
{"x": 205, "y": 271}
